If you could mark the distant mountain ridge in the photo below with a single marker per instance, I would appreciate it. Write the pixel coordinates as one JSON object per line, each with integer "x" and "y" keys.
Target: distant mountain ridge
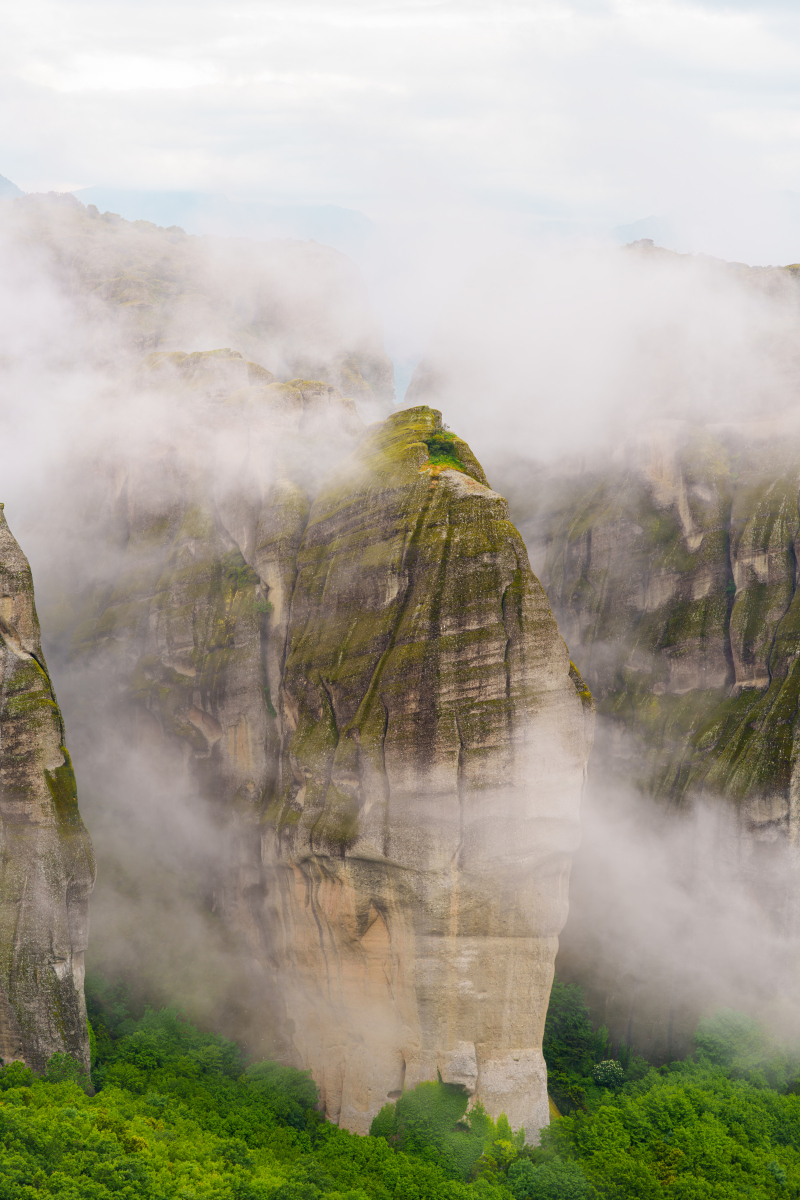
{"x": 214, "y": 213}
{"x": 9, "y": 190}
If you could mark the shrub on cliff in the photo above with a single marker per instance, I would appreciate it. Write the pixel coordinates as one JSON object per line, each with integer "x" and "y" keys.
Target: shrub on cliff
{"x": 431, "y": 1122}
{"x": 608, "y": 1074}
{"x": 292, "y": 1093}
{"x": 555, "y": 1180}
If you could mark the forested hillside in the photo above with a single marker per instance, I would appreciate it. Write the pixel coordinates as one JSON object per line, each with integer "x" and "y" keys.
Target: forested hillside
{"x": 176, "y": 1113}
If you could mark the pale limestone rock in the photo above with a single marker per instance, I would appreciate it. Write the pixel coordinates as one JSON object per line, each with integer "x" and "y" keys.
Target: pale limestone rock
{"x": 374, "y": 702}
{"x": 435, "y": 750}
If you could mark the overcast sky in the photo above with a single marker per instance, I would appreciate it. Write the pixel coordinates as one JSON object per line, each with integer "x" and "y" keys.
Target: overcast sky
{"x": 618, "y": 108}
{"x": 573, "y": 114}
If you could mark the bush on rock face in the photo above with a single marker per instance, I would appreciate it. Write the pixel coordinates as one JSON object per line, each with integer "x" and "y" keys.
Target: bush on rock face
{"x": 431, "y": 1120}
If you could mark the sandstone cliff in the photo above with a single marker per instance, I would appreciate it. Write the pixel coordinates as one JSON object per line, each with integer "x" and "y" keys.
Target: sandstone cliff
{"x": 434, "y": 755}
{"x": 46, "y": 865}
{"x": 343, "y": 641}
{"x": 674, "y": 577}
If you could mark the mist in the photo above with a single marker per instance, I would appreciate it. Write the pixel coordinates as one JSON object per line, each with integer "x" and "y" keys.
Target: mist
{"x": 551, "y": 363}
{"x": 581, "y": 350}
{"x": 110, "y": 430}
{"x": 676, "y": 913}
{"x": 573, "y": 369}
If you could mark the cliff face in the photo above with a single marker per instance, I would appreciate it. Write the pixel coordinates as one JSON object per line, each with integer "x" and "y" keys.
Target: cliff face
{"x": 675, "y": 580}
{"x": 46, "y": 864}
{"x": 434, "y": 756}
{"x": 371, "y": 696}
{"x": 673, "y": 575}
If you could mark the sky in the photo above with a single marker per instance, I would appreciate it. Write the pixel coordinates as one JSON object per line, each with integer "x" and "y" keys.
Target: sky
{"x": 449, "y": 124}
{"x": 598, "y": 109}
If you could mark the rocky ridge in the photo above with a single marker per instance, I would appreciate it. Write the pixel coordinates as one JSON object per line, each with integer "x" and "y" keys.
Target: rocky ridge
{"x": 300, "y": 308}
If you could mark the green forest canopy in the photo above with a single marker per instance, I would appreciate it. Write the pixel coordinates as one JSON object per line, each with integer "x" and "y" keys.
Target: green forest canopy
{"x": 177, "y": 1114}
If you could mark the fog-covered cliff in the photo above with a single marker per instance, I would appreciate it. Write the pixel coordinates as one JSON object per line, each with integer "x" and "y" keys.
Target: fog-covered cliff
{"x": 333, "y": 742}
{"x": 369, "y": 692}
{"x": 674, "y": 576}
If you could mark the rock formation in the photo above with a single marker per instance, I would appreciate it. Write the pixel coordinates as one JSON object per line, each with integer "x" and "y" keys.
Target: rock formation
{"x": 46, "y": 865}
{"x": 434, "y": 754}
{"x": 310, "y": 661}
{"x": 372, "y": 695}
{"x": 674, "y": 577}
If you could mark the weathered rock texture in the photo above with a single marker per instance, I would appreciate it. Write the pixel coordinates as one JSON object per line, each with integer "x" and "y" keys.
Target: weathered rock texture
{"x": 435, "y": 746}
{"x": 371, "y": 696}
{"x": 46, "y": 861}
{"x": 674, "y": 577}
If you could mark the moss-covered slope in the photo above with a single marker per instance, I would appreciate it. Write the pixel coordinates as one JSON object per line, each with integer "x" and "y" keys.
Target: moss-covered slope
{"x": 46, "y": 859}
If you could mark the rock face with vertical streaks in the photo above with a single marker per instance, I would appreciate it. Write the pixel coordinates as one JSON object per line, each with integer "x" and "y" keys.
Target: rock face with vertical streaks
{"x": 435, "y": 745}
{"x": 343, "y": 635}
{"x": 674, "y": 578}
{"x": 46, "y": 864}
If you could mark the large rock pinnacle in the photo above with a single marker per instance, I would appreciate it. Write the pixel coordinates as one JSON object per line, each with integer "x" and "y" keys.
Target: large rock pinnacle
{"x": 435, "y": 746}
{"x": 46, "y": 861}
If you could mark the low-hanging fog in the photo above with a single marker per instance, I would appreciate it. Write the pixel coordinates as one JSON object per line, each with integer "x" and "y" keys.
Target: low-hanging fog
{"x": 547, "y": 362}
{"x": 576, "y": 365}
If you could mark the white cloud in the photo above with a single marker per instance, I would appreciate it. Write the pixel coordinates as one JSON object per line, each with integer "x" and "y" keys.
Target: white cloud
{"x": 604, "y": 111}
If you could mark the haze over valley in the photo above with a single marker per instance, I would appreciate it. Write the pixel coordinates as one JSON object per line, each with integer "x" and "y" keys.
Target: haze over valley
{"x": 399, "y": 604}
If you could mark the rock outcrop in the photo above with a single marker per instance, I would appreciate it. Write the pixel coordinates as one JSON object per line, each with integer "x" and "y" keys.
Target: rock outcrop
{"x": 674, "y": 578}
{"x": 434, "y": 754}
{"x": 343, "y": 638}
{"x": 46, "y": 863}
